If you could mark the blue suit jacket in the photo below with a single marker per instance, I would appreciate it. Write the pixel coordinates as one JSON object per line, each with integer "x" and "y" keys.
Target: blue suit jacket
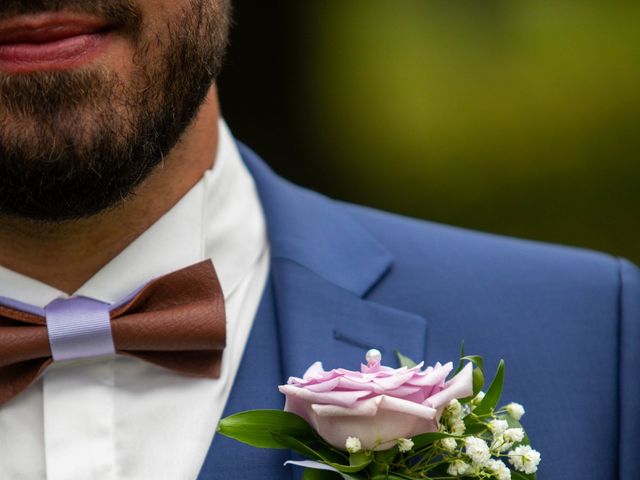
{"x": 345, "y": 279}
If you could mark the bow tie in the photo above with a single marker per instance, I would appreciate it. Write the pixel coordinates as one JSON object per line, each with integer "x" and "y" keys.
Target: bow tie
{"x": 177, "y": 321}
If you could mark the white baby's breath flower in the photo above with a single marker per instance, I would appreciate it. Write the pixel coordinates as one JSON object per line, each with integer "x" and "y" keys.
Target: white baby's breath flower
{"x": 477, "y": 450}
{"x": 500, "y": 444}
{"x": 405, "y": 445}
{"x": 353, "y": 444}
{"x": 449, "y": 444}
{"x": 514, "y": 435}
{"x": 457, "y": 427}
{"x": 498, "y": 427}
{"x": 498, "y": 469}
{"x": 458, "y": 468}
{"x": 525, "y": 459}
{"x": 515, "y": 410}
{"x": 454, "y": 409}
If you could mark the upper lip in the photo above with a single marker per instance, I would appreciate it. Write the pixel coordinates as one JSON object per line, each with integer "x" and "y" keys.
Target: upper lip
{"x": 48, "y": 27}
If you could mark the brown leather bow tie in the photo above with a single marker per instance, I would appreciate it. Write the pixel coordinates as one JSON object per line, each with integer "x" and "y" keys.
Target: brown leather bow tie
{"x": 177, "y": 321}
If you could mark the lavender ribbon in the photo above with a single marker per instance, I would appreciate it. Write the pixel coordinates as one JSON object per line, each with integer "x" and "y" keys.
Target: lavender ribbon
{"x": 79, "y": 327}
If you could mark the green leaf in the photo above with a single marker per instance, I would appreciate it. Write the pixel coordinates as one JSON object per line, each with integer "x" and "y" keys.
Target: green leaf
{"x": 313, "y": 474}
{"x": 493, "y": 394}
{"x": 332, "y": 454}
{"x": 349, "y": 468}
{"x": 360, "y": 458}
{"x": 472, "y": 426}
{"x": 461, "y": 362}
{"x": 477, "y": 360}
{"x": 348, "y": 476}
{"x": 522, "y": 476}
{"x": 386, "y": 456}
{"x": 255, "y": 427}
{"x": 478, "y": 381}
{"x": 425, "y": 439}
{"x": 405, "y": 361}
{"x": 392, "y": 476}
{"x": 287, "y": 441}
{"x": 306, "y": 451}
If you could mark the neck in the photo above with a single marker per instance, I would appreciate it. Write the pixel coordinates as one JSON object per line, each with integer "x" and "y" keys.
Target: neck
{"x": 65, "y": 255}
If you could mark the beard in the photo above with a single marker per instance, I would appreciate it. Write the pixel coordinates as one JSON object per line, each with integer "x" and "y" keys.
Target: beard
{"x": 76, "y": 143}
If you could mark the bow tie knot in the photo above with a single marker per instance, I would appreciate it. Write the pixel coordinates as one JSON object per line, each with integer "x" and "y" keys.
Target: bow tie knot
{"x": 79, "y": 327}
{"x": 177, "y": 321}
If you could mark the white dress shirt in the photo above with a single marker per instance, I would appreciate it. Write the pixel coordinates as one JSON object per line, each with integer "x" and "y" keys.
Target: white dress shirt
{"x": 117, "y": 418}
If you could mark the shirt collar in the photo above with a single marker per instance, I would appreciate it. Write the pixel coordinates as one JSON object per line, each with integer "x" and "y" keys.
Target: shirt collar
{"x": 219, "y": 218}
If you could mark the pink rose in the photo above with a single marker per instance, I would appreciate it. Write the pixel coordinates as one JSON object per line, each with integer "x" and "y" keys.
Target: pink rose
{"x": 378, "y": 405}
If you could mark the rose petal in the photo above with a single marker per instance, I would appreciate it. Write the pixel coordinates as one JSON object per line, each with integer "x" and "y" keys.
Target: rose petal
{"x": 364, "y": 408}
{"x": 460, "y": 386}
{"x": 394, "y": 381}
{"x": 314, "y": 371}
{"x": 434, "y": 377}
{"x": 402, "y": 392}
{"x": 344, "y": 399}
{"x": 403, "y": 406}
{"x": 324, "y": 386}
{"x": 350, "y": 384}
{"x": 379, "y": 432}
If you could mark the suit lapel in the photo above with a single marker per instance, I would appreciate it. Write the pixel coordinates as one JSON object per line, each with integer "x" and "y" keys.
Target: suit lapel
{"x": 321, "y": 321}
{"x": 323, "y": 264}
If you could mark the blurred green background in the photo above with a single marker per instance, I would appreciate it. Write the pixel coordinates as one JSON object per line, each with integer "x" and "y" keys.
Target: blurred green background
{"x": 514, "y": 117}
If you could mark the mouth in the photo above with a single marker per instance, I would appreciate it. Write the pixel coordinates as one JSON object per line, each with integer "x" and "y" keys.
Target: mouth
{"x": 51, "y": 41}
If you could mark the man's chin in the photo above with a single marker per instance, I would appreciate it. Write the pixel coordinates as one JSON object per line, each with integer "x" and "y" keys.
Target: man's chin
{"x": 68, "y": 157}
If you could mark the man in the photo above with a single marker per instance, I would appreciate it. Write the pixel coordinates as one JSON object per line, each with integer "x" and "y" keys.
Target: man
{"x": 115, "y": 171}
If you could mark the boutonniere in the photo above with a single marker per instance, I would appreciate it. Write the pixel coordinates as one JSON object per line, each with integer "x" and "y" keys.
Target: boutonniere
{"x": 382, "y": 423}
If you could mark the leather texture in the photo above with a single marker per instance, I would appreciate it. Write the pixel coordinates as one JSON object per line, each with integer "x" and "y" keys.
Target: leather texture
{"x": 176, "y": 321}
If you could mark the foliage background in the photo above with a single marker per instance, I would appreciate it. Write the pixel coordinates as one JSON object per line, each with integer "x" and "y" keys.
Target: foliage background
{"x": 509, "y": 116}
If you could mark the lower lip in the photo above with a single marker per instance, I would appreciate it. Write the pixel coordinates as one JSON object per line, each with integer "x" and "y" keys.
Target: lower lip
{"x": 57, "y": 55}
